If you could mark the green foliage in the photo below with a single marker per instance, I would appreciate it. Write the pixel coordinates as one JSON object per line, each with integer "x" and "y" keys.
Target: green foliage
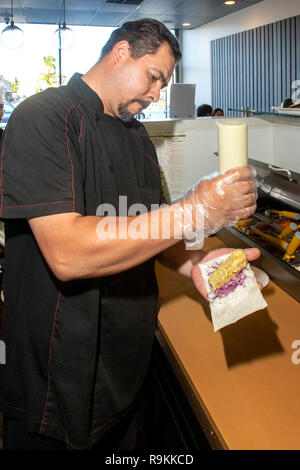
{"x": 15, "y": 85}
{"x": 49, "y": 78}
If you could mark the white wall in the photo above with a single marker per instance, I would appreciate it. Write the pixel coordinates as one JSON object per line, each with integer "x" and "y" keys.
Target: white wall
{"x": 286, "y": 145}
{"x": 269, "y": 142}
{"x": 202, "y": 142}
{"x": 196, "y": 43}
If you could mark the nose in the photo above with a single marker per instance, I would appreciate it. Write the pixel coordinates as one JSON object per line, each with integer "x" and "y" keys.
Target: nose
{"x": 154, "y": 92}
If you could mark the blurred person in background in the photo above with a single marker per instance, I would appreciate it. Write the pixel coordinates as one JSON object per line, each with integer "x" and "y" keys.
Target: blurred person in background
{"x": 218, "y": 112}
{"x": 205, "y": 110}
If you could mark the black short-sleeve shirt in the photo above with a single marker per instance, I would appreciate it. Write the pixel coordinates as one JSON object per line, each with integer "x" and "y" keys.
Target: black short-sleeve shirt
{"x": 76, "y": 352}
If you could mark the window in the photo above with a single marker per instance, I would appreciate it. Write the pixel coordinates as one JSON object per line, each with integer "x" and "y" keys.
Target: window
{"x": 35, "y": 66}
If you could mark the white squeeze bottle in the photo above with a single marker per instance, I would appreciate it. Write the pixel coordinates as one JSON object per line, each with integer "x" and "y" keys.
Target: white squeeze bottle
{"x": 232, "y": 144}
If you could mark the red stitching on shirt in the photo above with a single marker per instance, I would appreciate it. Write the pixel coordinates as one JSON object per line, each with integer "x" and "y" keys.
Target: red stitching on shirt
{"x": 141, "y": 140}
{"x": 69, "y": 157}
{"x": 1, "y": 187}
{"x": 153, "y": 161}
{"x": 13, "y": 407}
{"x": 103, "y": 425}
{"x": 80, "y": 133}
{"x": 61, "y": 427}
{"x": 66, "y": 435}
{"x": 49, "y": 424}
{"x": 69, "y": 150}
{"x": 137, "y": 134}
{"x": 49, "y": 360}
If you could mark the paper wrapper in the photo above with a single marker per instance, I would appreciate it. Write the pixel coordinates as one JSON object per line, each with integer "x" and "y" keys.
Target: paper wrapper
{"x": 243, "y": 300}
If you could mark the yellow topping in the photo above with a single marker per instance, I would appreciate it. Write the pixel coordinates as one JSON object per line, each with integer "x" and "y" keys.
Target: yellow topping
{"x": 228, "y": 269}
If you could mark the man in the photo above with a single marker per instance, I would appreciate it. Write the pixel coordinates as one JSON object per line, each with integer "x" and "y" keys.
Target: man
{"x": 80, "y": 305}
{"x": 218, "y": 112}
{"x": 205, "y": 110}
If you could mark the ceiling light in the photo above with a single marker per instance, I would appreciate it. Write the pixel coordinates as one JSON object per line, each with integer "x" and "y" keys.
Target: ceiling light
{"x": 186, "y": 23}
{"x": 12, "y": 36}
{"x": 229, "y": 2}
{"x": 64, "y": 36}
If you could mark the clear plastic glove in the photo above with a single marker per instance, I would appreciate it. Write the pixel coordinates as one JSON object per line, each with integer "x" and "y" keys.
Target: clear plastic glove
{"x": 215, "y": 203}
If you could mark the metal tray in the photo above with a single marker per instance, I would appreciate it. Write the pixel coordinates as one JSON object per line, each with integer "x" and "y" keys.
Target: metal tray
{"x": 285, "y": 276}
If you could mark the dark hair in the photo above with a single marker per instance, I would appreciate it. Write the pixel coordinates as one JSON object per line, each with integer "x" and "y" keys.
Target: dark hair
{"x": 203, "y": 110}
{"x": 144, "y": 36}
{"x": 216, "y": 110}
{"x": 287, "y": 102}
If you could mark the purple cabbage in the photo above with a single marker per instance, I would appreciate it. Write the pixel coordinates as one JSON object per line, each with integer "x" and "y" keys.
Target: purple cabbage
{"x": 231, "y": 285}
{"x": 214, "y": 267}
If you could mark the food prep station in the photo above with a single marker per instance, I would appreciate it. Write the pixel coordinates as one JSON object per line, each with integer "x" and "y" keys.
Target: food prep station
{"x": 274, "y": 228}
{"x": 273, "y": 148}
{"x": 240, "y": 384}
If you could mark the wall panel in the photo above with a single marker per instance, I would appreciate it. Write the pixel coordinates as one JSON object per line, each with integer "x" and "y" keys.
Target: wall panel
{"x": 256, "y": 68}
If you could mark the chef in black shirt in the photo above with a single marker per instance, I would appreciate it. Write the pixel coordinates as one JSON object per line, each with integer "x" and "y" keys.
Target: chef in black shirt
{"x": 80, "y": 306}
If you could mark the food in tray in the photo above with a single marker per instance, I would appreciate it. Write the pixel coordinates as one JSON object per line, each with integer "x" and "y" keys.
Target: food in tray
{"x": 232, "y": 288}
{"x": 287, "y": 214}
{"x": 277, "y": 231}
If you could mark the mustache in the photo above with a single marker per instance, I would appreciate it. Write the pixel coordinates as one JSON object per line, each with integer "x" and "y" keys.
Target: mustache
{"x": 144, "y": 104}
{"x": 127, "y": 116}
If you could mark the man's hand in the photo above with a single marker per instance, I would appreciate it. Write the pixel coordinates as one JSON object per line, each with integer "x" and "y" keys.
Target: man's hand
{"x": 223, "y": 200}
{"x": 251, "y": 254}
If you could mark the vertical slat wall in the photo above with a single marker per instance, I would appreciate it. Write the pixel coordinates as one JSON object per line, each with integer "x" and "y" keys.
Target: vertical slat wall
{"x": 256, "y": 68}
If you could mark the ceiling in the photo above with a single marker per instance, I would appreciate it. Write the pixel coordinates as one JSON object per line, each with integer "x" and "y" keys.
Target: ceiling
{"x": 115, "y": 12}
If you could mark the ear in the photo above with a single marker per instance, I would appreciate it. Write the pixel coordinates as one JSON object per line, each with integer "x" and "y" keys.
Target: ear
{"x": 121, "y": 52}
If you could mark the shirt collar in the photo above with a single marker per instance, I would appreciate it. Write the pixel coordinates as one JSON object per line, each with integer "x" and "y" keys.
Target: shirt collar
{"x": 89, "y": 96}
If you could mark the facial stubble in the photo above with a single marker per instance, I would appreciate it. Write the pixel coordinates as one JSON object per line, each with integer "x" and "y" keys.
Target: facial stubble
{"x": 124, "y": 114}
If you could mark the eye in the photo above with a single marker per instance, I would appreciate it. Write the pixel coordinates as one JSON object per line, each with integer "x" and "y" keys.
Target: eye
{"x": 153, "y": 78}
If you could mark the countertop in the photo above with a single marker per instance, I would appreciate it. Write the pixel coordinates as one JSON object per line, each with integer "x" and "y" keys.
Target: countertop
{"x": 243, "y": 381}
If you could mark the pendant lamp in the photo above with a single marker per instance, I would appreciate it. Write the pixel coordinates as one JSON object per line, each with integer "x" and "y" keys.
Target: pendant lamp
{"x": 12, "y": 36}
{"x": 64, "y": 36}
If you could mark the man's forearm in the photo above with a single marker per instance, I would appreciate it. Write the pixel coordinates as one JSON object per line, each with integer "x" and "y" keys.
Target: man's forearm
{"x": 76, "y": 246}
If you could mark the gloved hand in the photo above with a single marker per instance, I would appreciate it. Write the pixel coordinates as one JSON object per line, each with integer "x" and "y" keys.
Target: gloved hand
{"x": 215, "y": 203}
